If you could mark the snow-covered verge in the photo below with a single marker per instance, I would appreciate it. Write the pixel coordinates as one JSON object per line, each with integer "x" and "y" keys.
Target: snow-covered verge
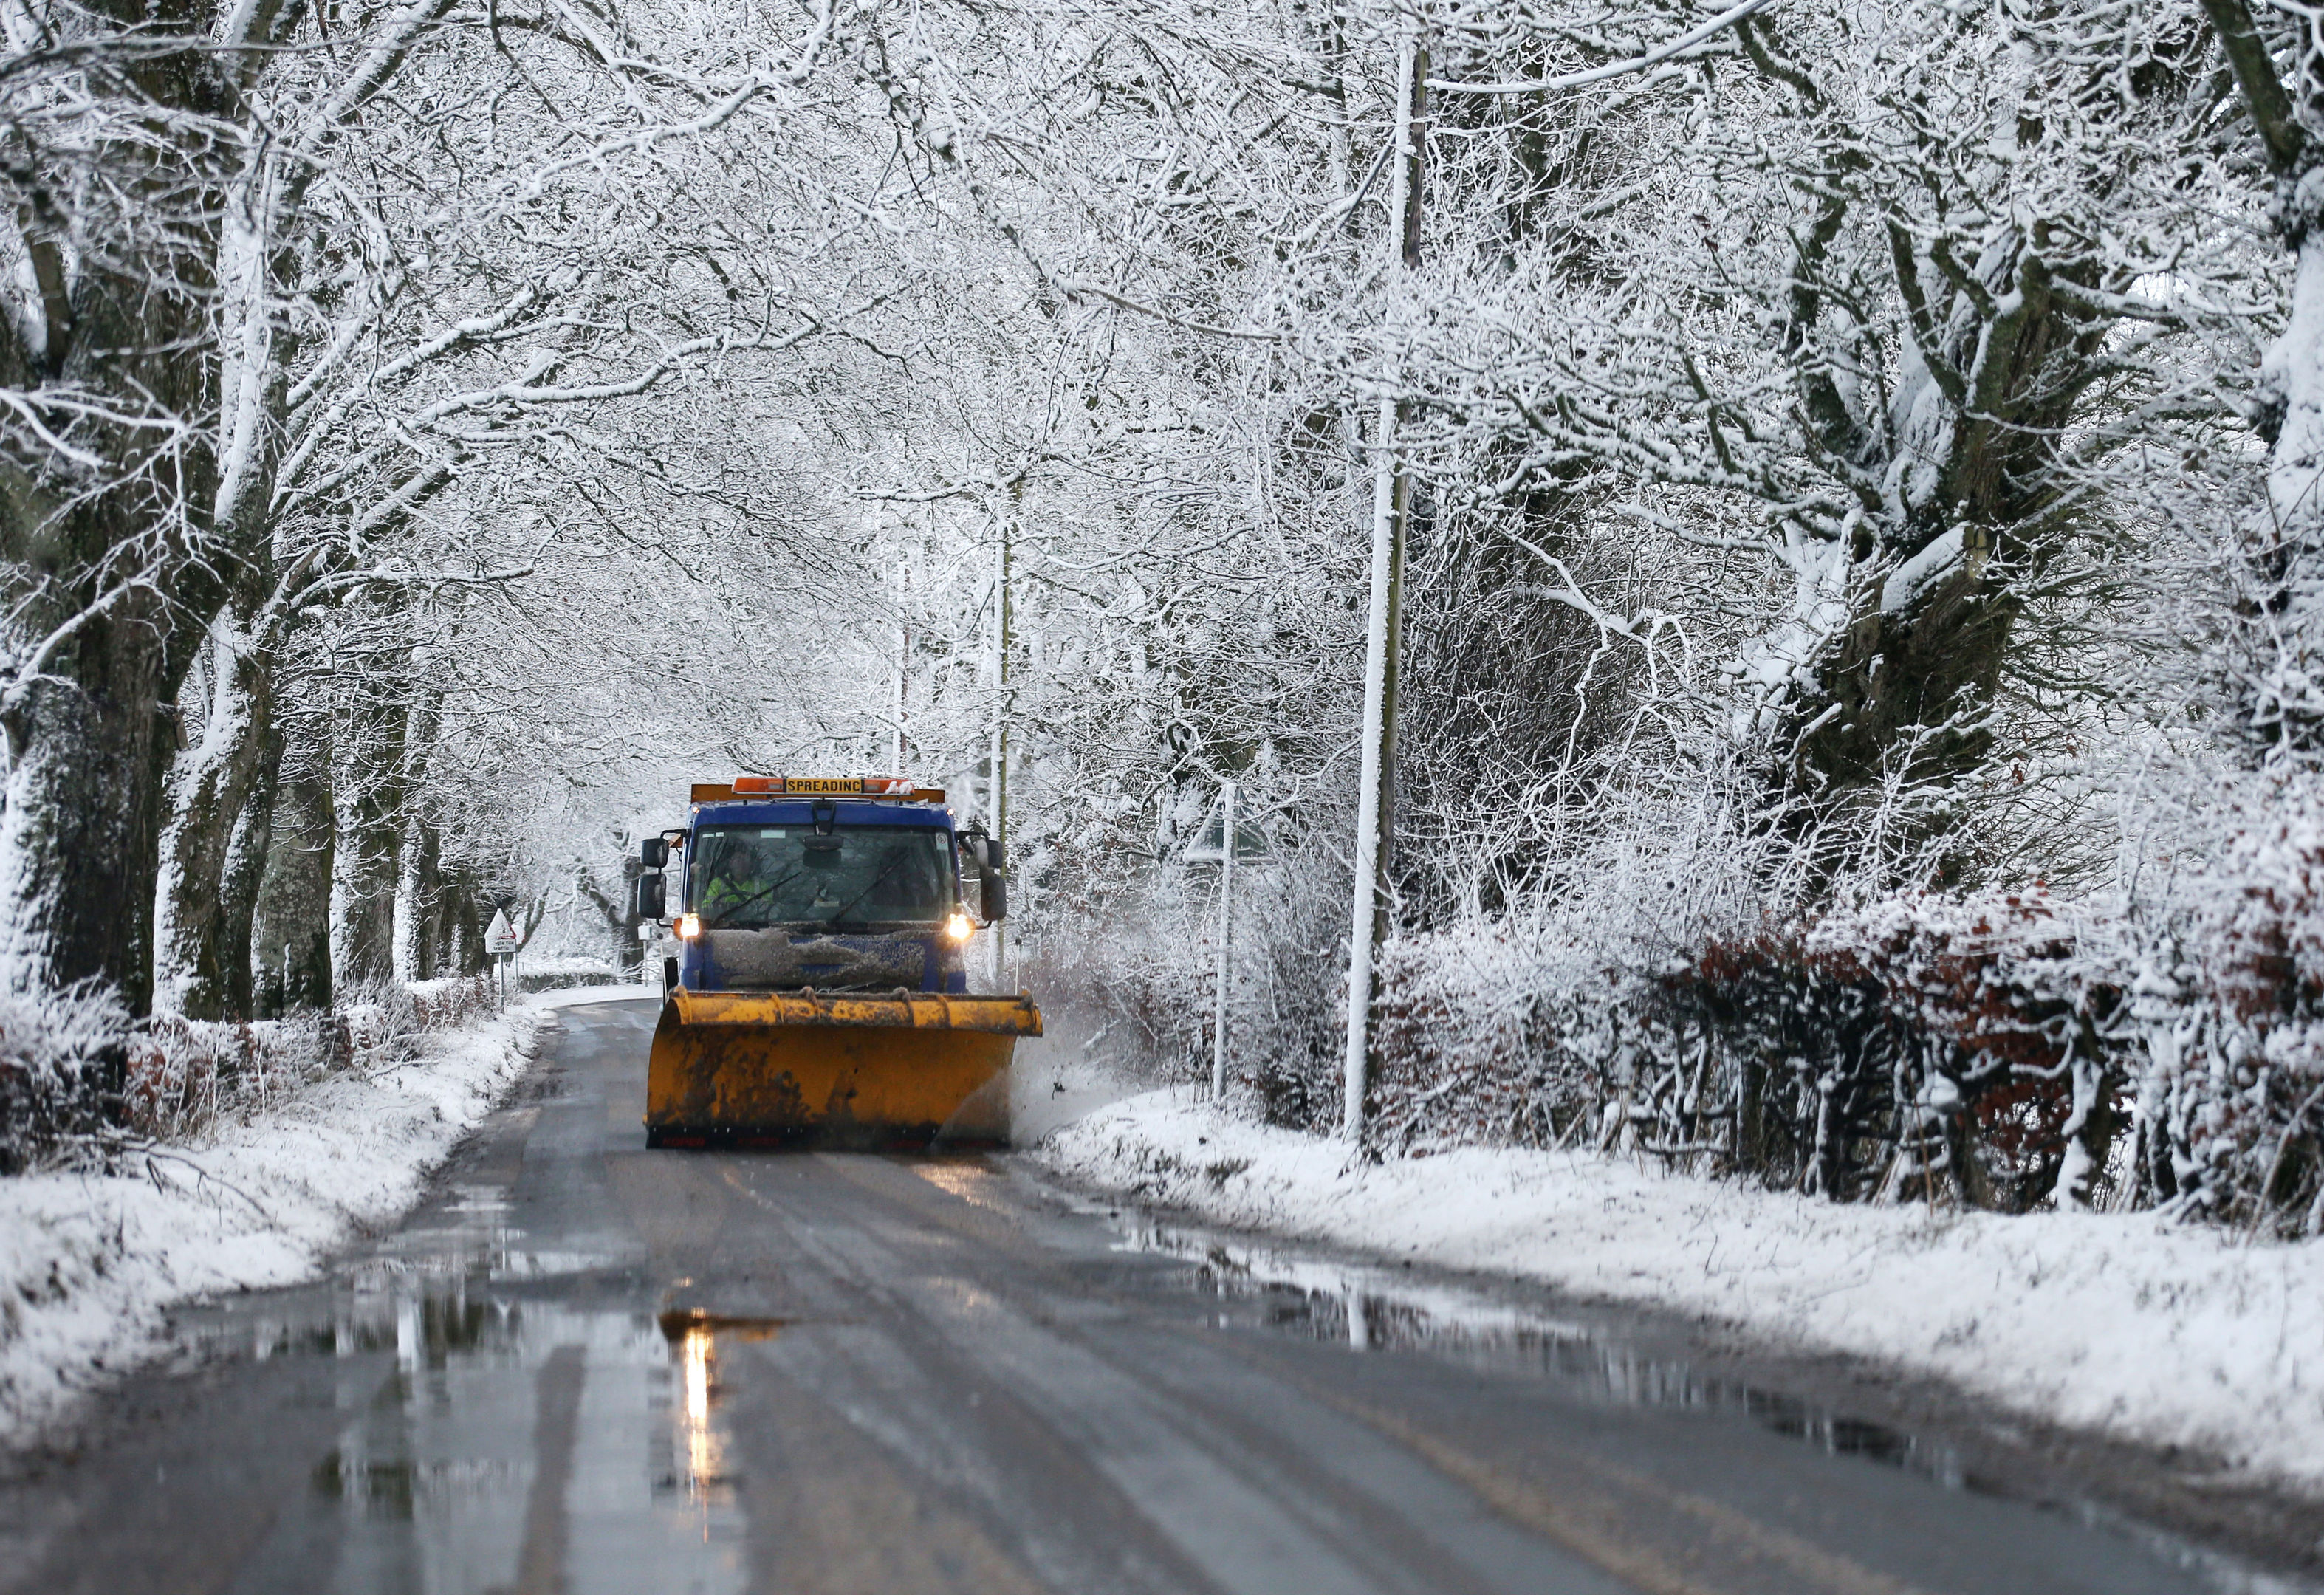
{"x": 2152, "y": 1331}
{"x": 581, "y": 996}
{"x": 90, "y": 1261}
{"x": 536, "y": 972}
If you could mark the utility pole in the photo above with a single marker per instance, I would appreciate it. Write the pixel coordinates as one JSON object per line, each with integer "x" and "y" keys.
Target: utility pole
{"x": 996, "y": 788}
{"x": 903, "y": 665}
{"x": 1226, "y": 939}
{"x": 1384, "y": 621}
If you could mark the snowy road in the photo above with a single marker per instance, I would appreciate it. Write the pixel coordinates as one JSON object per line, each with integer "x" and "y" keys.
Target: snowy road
{"x": 584, "y": 1366}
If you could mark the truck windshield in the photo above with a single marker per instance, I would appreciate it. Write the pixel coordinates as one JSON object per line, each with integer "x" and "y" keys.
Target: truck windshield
{"x": 748, "y": 877}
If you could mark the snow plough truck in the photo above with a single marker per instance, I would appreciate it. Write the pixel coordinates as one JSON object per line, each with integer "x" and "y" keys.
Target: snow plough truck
{"x": 819, "y": 991}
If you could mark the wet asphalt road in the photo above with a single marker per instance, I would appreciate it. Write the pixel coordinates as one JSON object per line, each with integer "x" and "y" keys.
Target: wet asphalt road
{"x": 584, "y": 1366}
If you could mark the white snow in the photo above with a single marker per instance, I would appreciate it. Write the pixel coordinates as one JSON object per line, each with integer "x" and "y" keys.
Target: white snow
{"x": 575, "y": 996}
{"x": 1909, "y": 580}
{"x": 2146, "y": 1330}
{"x": 88, "y": 1263}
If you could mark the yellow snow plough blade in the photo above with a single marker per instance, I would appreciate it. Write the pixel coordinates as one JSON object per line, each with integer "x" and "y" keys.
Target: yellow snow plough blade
{"x": 783, "y": 1067}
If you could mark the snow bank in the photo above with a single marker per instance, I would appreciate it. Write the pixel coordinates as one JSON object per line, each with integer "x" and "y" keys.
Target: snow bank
{"x": 90, "y": 1261}
{"x": 580, "y": 996}
{"x": 2151, "y": 1331}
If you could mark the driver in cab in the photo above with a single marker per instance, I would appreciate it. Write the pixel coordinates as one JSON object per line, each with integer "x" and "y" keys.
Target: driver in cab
{"x": 738, "y": 882}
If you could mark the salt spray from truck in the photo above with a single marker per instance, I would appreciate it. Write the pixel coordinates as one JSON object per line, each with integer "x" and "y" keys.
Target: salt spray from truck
{"x": 819, "y": 993}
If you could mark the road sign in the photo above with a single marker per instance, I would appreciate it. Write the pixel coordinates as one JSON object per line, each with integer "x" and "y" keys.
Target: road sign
{"x": 499, "y": 941}
{"x": 1209, "y": 846}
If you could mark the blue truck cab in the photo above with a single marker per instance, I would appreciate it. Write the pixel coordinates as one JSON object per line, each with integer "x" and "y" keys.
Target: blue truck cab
{"x": 823, "y": 884}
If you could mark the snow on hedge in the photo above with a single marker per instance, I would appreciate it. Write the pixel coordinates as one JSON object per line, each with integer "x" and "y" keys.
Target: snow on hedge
{"x": 91, "y": 1259}
{"x": 2154, "y": 1331}
{"x": 2012, "y": 1050}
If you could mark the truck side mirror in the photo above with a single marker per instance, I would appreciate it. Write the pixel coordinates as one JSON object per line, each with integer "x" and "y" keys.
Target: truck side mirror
{"x": 993, "y": 889}
{"x": 654, "y": 852}
{"x": 653, "y": 900}
{"x": 984, "y": 851}
{"x": 994, "y": 849}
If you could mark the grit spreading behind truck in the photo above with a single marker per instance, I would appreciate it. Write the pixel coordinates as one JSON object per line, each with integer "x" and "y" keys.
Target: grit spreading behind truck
{"x": 819, "y": 994}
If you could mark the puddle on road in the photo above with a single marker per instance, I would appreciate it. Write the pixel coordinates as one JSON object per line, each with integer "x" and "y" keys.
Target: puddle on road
{"x": 514, "y": 1442}
{"x": 527, "y": 1445}
{"x": 1278, "y": 1290}
{"x": 1371, "y": 1309}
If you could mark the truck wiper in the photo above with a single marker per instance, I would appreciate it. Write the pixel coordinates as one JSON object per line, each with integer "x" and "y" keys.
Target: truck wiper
{"x": 727, "y": 915}
{"x": 895, "y": 856}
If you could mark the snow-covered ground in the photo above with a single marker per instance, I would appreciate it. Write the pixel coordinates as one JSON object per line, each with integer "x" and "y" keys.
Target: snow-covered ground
{"x": 88, "y": 1263}
{"x": 576, "y": 996}
{"x": 2150, "y": 1330}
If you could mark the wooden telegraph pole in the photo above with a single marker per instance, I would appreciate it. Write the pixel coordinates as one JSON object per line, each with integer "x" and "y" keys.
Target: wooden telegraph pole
{"x": 1226, "y": 939}
{"x": 1383, "y": 634}
{"x": 996, "y": 784}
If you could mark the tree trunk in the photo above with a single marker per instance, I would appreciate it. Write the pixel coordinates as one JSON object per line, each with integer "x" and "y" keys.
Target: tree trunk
{"x": 470, "y": 932}
{"x": 365, "y": 841}
{"x": 2284, "y": 704}
{"x": 430, "y": 950}
{"x": 79, "y": 838}
{"x": 410, "y": 907}
{"x": 1899, "y": 694}
{"x": 448, "y": 927}
{"x": 222, "y": 788}
{"x": 418, "y": 886}
{"x": 620, "y": 925}
{"x": 415, "y": 843}
{"x": 293, "y": 934}
{"x": 93, "y": 652}
{"x": 221, "y": 802}
{"x": 246, "y": 860}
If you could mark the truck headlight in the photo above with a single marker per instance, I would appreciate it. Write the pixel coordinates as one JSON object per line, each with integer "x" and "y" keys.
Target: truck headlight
{"x": 689, "y": 926}
{"x": 958, "y": 928}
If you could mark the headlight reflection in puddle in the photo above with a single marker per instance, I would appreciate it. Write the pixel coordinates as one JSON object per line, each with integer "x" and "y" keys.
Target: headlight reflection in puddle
{"x": 694, "y": 1340}
{"x": 697, "y": 1350}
